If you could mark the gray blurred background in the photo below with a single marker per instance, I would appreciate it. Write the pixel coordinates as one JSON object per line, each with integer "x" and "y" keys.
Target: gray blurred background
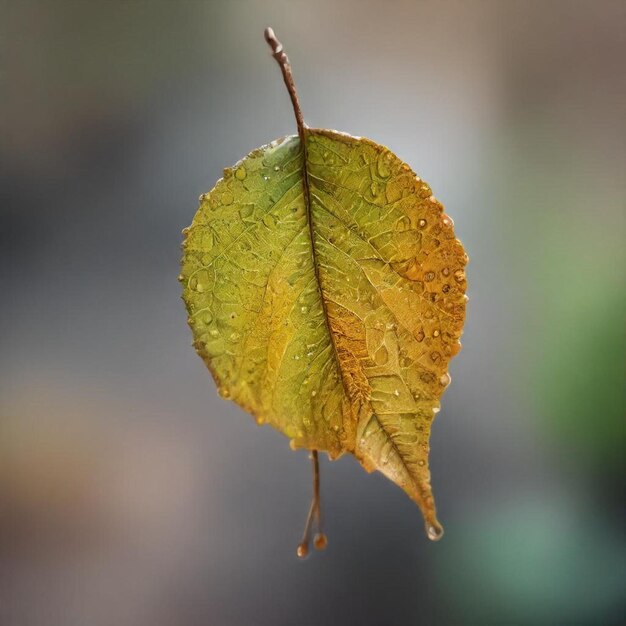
{"x": 130, "y": 494}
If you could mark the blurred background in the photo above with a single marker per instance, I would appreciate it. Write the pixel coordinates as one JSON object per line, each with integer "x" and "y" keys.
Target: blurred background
{"x": 130, "y": 494}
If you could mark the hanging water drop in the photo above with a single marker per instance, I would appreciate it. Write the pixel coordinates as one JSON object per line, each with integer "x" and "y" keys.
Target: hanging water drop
{"x": 435, "y": 533}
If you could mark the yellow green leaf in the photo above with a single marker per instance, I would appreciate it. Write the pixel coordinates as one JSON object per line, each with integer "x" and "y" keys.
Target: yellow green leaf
{"x": 326, "y": 293}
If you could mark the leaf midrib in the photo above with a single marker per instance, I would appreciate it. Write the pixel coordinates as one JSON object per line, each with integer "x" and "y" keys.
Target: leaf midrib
{"x": 309, "y": 217}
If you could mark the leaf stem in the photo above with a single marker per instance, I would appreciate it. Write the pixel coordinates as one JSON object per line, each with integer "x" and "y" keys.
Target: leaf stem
{"x": 280, "y": 55}
{"x": 315, "y": 514}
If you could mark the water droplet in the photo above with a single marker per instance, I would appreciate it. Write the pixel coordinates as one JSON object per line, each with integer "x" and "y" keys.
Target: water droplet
{"x": 422, "y": 223}
{"x": 436, "y": 409}
{"x": 320, "y": 541}
{"x": 302, "y": 551}
{"x": 180, "y": 278}
{"x": 435, "y": 533}
{"x": 403, "y": 224}
{"x": 313, "y": 393}
{"x": 296, "y": 357}
{"x": 445, "y": 379}
{"x": 292, "y": 444}
{"x": 436, "y": 333}
{"x": 214, "y": 332}
{"x": 224, "y": 392}
{"x": 421, "y": 463}
{"x": 396, "y": 393}
{"x": 448, "y": 221}
{"x": 304, "y": 309}
{"x": 259, "y": 420}
{"x": 277, "y": 168}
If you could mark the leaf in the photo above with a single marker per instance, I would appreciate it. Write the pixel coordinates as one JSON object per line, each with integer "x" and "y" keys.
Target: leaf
{"x": 334, "y": 325}
{"x": 325, "y": 292}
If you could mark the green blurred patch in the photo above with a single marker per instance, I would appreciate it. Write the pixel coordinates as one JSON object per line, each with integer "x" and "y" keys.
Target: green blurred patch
{"x": 581, "y": 373}
{"x": 533, "y": 561}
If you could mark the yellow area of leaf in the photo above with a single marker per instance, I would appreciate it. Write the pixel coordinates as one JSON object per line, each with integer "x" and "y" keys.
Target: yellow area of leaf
{"x": 331, "y": 316}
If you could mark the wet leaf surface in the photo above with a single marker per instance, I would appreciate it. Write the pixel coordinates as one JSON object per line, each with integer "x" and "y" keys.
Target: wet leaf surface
{"x": 326, "y": 293}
